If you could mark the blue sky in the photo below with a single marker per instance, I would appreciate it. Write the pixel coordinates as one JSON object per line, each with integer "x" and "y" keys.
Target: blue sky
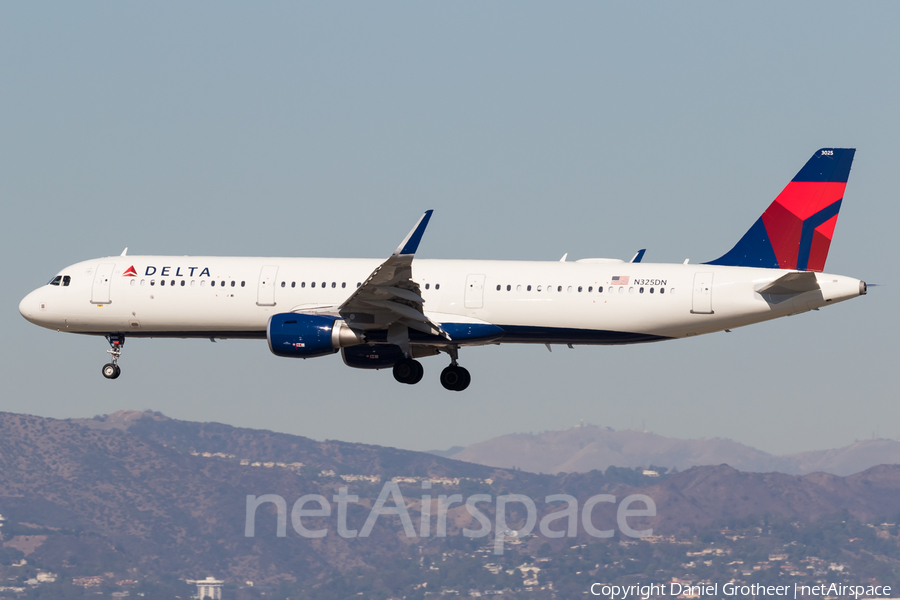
{"x": 533, "y": 130}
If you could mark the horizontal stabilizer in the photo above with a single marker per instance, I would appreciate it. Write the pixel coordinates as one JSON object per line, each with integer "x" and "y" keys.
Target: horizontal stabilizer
{"x": 791, "y": 283}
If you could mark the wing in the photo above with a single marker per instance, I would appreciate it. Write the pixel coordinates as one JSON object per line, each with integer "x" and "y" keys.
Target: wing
{"x": 389, "y": 296}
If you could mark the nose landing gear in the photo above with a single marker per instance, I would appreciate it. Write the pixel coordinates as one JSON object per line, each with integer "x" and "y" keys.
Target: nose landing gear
{"x": 112, "y": 370}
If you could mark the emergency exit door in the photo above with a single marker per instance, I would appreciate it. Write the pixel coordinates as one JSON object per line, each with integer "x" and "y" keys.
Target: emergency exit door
{"x": 266, "y": 293}
{"x": 474, "y": 291}
{"x": 100, "y": 288}
{"x": 702, "y": 301}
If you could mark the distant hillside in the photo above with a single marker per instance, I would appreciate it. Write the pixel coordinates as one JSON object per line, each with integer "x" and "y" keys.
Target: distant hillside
{"x": 134, "y": 495}
{"x": 582, "y": 449}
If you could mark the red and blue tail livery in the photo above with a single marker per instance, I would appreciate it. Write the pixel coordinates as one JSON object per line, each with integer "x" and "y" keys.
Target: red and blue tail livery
{"x": 795, "y": 231}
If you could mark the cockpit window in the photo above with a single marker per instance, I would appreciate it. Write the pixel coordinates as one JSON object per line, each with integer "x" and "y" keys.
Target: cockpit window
{"x": 56, "y": 280}
{"x": 66, "y": 280}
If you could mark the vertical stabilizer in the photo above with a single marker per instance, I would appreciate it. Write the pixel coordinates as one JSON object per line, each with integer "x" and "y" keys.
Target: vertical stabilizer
{"x": 795, "y": 231}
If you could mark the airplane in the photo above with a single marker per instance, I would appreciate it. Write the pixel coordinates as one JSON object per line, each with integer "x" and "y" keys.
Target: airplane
{"x": 387, "y": 314}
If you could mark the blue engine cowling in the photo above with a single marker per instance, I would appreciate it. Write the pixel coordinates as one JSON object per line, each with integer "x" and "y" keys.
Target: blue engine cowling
{"x": 372, "y": 356}
{"x": 306, "y": 336}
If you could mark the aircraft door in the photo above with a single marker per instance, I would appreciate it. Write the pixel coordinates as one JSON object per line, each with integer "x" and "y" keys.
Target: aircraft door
{"x": 266, "y": 293}
{"x": 100, "y": 289}
{"x": 474, "y": 291}
{"x": 702, "y": 300}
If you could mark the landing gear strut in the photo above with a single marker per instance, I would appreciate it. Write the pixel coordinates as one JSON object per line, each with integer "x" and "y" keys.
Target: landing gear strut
{"x": 455, "y": 378}
{"x": 409, "y": 371}
{"x": 112, "y": 370}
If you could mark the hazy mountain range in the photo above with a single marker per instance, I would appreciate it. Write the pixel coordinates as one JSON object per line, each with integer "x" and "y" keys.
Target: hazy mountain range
{"x": 585, "y": 448}
{"x": 137, "y": 494}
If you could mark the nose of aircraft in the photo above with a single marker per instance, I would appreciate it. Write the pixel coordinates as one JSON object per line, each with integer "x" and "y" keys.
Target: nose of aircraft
{"x": 28, "y": 307}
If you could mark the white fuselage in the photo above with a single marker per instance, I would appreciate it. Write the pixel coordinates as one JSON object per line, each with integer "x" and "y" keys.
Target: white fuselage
{"x": 576, "y": 302}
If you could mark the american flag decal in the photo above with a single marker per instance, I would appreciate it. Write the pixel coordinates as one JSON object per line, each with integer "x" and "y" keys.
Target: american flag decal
{"x": 619, "y": 280}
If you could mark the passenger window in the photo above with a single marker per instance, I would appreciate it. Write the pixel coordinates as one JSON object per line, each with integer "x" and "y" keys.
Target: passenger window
{"x": 222, "y": 284}
{"x": 590, "y": 288}
{"x": 358, "y": 284}
{"x": 498, "y": 287}
{"x": 528, "y": 288}
{"x": 651, "y": 290}
{"x": 242, "y": 284}
{"x": 133, "y": 282}
{"x": 508, "y": 288}
{"x": 662, "y": 290}
{"x": 559, "y": 288}
{"x": 303, "y": 284}
{"x": 518, "y": 288}
{"x": 234, "y": 283}
{"x": 437, "y": 286}
{"x": 183, "y": 282}
{"x": 56, "y": 280}
{"x": 193, "y": 283}
{"x": 343, "y": 284}
{"x": 202, "y": 283}
{"x": 283, "y": 283}
{"x": 600, "y": 289}
{"x": 621, "y": 290}
{"x": 293, "y": 284}
{"x": 162, "y": 282}
{"x": 641, "y": 290}
{"x": 142, "y": 281}
{"x": 569, "y": 289}
{"x": 67, "y": 280}
{"x": 631, "y": 290}
{"x": 323, "y": 284}
{"x": 312, "y": 284}
{"x": 579, "y": 288}
{"x": 333, "y": 285}
{"x": 427, "y": 285}
{"x": 152, "y": 282}
{"x": 538, "y": 288}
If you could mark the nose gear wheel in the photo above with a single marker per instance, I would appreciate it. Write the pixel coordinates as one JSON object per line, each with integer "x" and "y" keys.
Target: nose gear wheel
{"x": 116, "y": 342}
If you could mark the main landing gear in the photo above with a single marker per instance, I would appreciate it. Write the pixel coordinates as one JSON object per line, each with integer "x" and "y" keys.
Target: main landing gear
{"x": 112, "y": 370}
{"x": 407, "y": 370}
{"x": 454, "y": 378}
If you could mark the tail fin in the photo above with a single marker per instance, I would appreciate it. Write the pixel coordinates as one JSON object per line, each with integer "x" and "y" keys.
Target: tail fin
{"x": 796, "y": 230}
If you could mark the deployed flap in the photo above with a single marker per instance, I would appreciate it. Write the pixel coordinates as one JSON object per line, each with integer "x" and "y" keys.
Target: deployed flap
{"x": 791, "y": 283}
{"x": 389, "y": 295}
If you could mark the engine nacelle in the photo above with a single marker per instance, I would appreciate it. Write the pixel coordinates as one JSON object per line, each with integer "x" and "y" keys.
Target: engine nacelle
{"x": 372, "y": 356}
{"x": 381, "y": 356}
{"x": 307, "y": 336}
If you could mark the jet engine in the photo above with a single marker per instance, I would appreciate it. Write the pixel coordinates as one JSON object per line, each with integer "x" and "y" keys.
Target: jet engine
{"x": 306, "y": 336}
{"x": 379, "y": 356}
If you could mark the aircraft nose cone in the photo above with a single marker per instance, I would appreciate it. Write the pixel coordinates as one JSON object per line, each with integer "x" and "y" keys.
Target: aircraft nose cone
{"x": 28, "y": 307}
